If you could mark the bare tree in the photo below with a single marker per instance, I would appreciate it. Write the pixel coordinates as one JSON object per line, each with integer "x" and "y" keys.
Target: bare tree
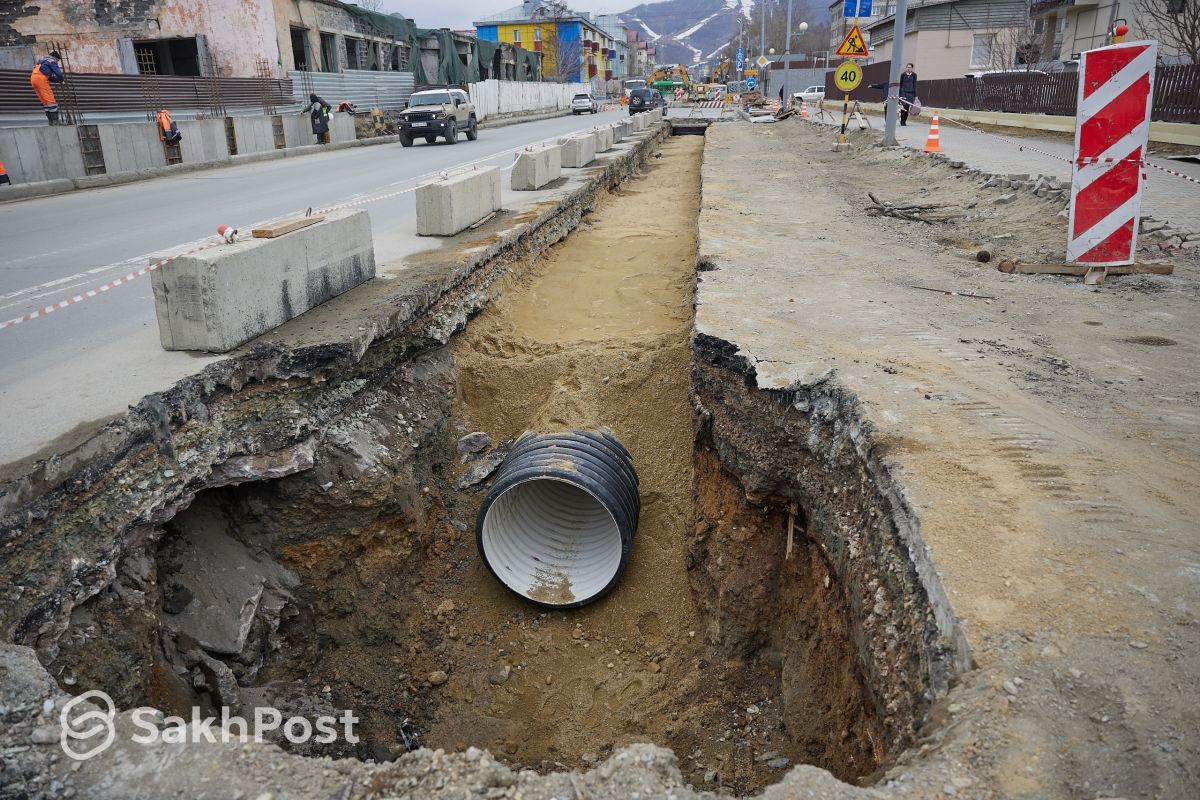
{"x": 370, "y": 5}
{"x": 1020, "y": 46}
{"x": 565, "y": 55}
{"x": 1174, "y": 23}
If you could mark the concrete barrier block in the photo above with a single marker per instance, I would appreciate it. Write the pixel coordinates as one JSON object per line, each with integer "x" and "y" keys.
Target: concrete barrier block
{"x": 43, "y": 153}
{"x": 221, "y": 297}
{"x": 253, "y": 134}
{"x": 131, "y": 147}
{"x": 604, "y": 138}
{"x": 297, "y": 130}
{"x": 618, "y": 131}
{"x": 537, "y": 167}
{"x": 448, "y": 206}
{"x": 341, "y": 128}
{"x": 578, "y": 151}
{"x": 639, "y": 120}
{"x": 203, "y": 140}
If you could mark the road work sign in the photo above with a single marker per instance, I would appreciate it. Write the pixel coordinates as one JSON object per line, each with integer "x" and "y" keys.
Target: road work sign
{"x": 853, "y": 46}
{"x": 1116, "y": 90}
{"x": 848, "y": 76}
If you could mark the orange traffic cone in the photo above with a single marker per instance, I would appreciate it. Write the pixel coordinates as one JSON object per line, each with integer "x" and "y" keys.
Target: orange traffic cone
{"x": 803, "y": 109}
{"x": 3, "y": 175}
{"x": 934, "y": 143}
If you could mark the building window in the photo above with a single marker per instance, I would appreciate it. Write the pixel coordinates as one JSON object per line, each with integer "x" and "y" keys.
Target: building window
{"x": 537, "y": 34}
{"x": 981, "y": 49}
{"x": 329, "y": 52}
{"x": 167, "y": 56}
{"x": 516, "y": 36}
{"x": 352, "y": 61}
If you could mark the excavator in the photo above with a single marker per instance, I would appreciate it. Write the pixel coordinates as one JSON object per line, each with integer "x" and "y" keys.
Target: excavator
{"x": 668, "y": 78}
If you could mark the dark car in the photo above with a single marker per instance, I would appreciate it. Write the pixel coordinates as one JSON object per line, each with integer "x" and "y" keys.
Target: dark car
{"x": 643, "y": 100}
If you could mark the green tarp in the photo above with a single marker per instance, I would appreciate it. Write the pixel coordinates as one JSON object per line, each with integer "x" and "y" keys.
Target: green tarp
{"x": 451, "y": 69}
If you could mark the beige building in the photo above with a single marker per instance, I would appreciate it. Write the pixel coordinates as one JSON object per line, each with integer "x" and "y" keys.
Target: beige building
{"x": 1068, "y": 27}
{"x": 950, "y": 38}
{"x": 323, "y": 36}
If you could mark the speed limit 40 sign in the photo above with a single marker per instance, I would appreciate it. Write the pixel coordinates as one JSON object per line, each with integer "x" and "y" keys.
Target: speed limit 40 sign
{"x": 848, "y": 76}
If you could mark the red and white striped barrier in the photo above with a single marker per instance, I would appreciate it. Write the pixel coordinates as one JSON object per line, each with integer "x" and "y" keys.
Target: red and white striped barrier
{"x": 1116, "y": 86}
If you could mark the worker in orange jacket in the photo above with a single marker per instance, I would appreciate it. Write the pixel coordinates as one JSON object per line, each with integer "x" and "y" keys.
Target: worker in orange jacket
{"x": 48, "y": 70}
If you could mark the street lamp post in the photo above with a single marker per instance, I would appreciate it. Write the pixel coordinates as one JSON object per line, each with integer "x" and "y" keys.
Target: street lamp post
{"x": 787, "y": 55}
{"x": 891, "y": 109}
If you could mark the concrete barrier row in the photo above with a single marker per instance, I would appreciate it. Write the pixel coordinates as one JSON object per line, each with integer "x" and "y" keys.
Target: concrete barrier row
{"x": 451, "y": 205}
{"x": 45, "y": 153}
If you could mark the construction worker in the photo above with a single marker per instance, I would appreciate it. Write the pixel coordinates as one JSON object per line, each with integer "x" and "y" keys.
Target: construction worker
{"x": 48, "y": 70}
{"x": 168, "y": 131}
{"x": 318, "y": 110}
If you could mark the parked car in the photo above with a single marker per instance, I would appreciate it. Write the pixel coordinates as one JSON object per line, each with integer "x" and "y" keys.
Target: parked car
{"x": 434, "y": 112}
{"x": 644, "y": 100}
{"x": 813, "y": 94}
{"x": 584, "y": 102}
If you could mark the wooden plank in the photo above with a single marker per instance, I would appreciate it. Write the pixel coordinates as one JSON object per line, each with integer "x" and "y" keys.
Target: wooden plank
{"x": 1081, "y": 270}
{"x": 271, "y": 230}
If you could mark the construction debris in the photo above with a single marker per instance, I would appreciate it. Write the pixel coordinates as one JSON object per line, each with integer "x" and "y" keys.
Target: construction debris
{"x": 914, "y": 212}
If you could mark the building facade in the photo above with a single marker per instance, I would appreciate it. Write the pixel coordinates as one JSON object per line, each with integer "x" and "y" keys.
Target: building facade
{"x": 572, "y": 47}
{"x": 618, "y": 33}
{"x": 163, "y": 37}
{"x": 951, "y": 38}
{"x": 1066, "y": 28}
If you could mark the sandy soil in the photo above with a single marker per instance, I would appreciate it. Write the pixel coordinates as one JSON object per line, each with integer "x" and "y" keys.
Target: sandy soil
{"x": 1047, "y": 438}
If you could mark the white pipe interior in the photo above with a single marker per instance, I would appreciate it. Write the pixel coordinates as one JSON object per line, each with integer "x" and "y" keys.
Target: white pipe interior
{"x": 551, "y": 541}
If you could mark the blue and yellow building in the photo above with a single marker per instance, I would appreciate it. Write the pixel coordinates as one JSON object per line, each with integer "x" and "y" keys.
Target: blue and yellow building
{"x": 589, "y": 55}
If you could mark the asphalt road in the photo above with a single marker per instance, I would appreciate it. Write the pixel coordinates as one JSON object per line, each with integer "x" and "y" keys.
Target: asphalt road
{"x": 57, "y": 371}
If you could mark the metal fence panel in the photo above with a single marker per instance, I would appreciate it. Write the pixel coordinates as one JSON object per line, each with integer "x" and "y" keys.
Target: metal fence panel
{"x": 366, "y": 89}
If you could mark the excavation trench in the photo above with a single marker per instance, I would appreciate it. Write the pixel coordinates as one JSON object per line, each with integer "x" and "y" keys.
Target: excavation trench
{"x": 767, "y": 617}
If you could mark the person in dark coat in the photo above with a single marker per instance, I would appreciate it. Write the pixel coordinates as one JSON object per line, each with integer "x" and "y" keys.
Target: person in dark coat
{"x": 908, "y": 92}
{"x": 318, "y": 110}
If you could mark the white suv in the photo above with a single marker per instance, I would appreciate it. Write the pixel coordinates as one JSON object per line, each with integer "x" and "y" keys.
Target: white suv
{"x": 584, "y": 102}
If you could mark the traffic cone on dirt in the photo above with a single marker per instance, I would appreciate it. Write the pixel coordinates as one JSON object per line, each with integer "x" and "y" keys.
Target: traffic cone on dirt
{"x": 934, "y": 143}
{"x": 803, "y": 109}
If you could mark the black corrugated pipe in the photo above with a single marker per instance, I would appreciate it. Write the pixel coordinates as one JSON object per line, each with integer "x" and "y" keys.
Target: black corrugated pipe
{"x": 557, "y": 525}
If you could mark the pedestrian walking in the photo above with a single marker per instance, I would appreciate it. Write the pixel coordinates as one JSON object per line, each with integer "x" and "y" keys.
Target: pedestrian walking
{"x": 48, "y": 70}
{"x": 908, "y": 92}
{"x": 318, "y": 111}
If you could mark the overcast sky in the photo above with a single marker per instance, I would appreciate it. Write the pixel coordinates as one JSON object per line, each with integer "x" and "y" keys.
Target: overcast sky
{"x": 459, "y": 14}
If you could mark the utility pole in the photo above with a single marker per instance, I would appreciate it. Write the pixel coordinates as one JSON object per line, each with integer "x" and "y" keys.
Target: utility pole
{"x": 890, "y": 108}
{"x": 787, "y": 60}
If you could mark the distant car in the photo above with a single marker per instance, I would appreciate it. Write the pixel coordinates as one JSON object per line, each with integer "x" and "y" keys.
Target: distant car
{"x": 438, "y": 112}
{"x": 644, "y": 100}
{"x": 584, "y": 102}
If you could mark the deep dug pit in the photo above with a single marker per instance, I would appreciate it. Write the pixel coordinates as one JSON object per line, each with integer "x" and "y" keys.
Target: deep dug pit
{"x": 771, "y": 615}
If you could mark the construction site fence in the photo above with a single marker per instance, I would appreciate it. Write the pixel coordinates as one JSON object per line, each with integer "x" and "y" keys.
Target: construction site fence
{"x": 493, "y": 98}
{"x": 1176, "y": 92}
{"x": 98, "y": 93}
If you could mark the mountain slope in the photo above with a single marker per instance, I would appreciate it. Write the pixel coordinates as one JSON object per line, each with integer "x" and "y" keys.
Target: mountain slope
{"x": 688, "y": 31}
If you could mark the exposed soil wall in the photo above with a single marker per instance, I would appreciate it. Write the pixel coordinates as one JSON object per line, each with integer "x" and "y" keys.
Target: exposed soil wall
{"x": 809, "y": 448}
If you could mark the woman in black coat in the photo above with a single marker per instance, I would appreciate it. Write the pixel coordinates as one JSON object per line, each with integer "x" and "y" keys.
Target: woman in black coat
{"x": 318, "y": 110}
{"x": 908, "y": 92}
